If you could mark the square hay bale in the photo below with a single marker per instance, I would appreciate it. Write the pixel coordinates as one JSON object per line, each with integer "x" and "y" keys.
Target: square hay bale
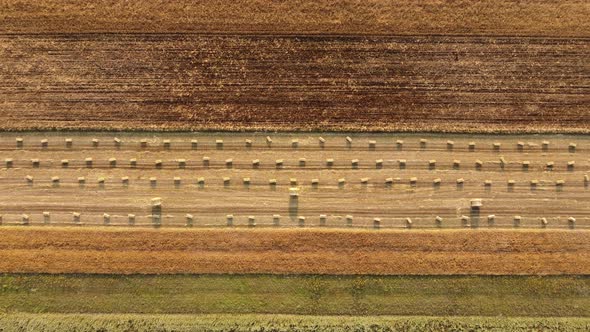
{"x": 341, "y": 181}
{"x": 423, "y": 142}
{"x": 55, "y": 179}
{"x": 520, "y": 146}
{"x": 436, "y": 182}
{"x": 534, "y": 183}
{"x": 201, "y": 180}
{"x": 276, "y": 219}
{"x": 251, "y": 221}
{"x": 372, "y": 144}
{"x": 517, "y": 220}
{"x": 315, "y": 182}
{"x": 246, "y": 181}
{"x": 571, "y": 164}
{"x": 586, "y": 179}
{"x": 26, "y": 219}
{"x": 478, "y": 164}
{"x": 497, "y": 146}
{"x": 88, "y": 162}
{"x": 69, "y": 142}
{"x": 177, "y": 180}
{"x": 476, "y": 203}
{"x": 194, "y": 144}
{"x": 279, "y": 163}
{"x": 0, "y": 219}
{"x": 181, "y": 163}
{"x": 432, "y": 163}
{"x": 255, "y": 163}
{"x": 571, "y": 220}
{"x": 503, "y": 161}
{"x": 46, "y": 217}
{"x": 76, "y": 217}
{"x": 106, "y": 218}
{"x": 153, "y": 181}
{"x": 229, "y": 162}
{"x": 101, "y": 181}
{"x": 572, "y": 147}
{"x": 379, "y": 163}
{"x": 322, "y": 141}
{"x": 511, "y": 183}
{"x": 65, "y": 163}
{"x": 413, "y": 180}
{"x": 294, "y": 143}
{"x": 526, "y": 164}
{"x": 301, "y": 220}
{"x": 354, "y": 162}
{"x": 229, "y": 219}
{"x": 402, "y": 163}
{"x": 131, "y": 219}
{"x": 376, "y": 223}
{"x": 158, "y": 163}
{"x": 9, "y": 162}
{"x": 348, "y": 221}
{"x": 487, "y": 183}
{"x": 329, "y": 162}
{"x": 460, "y": 181}
{"x": 399, "y": 144}
{"x": 544, "y": 222}
{"x": 456, "y": 163}
{"x": 364, "y": 180}
{"x": 293, "y": 194}
{"x": 465, "y": 220}
{"x": 44, "y": 143}
{"x": 248, "y": 143}
{"x": 348, "y": 140}
{"x": 560, "y": 183}
{"x": 166, "y": 143}
{"x": 272, "y": 182}
{"x": 471, "y": 146}
{"x": 550, "y": 165}
{"x": 323, "y": 219}
{"x": 113, "y": 162}
{"x": 117, "y": 141}
{"x": 189, "y": 219}
{"x": 268, "y": 140}
{"x": 133, "y": 163}
{"x": 95, "y": 142}
{"x": 219, "y": 143}
{"x": 409, "y": 222}
{"x": 491, "y": 219}
{"x": 545, "y": 145}
{"x": 438, "y": 220}
{"x": 29, "y": 179}
{"x": 125, "y": 180}
{"x": 156, "y": 201}
{"x": 143, "y": 143}
{"x": 226, "y": 180}
{"x": 302, "y": 162}
{"x": 81, "y": 180}
{"x": 293, "y": 181}
{"x": 450, "y": 145}
{"x": 389, "y": 181}
{"x": 19, "y": 142}
{"x": 206, "y": 161}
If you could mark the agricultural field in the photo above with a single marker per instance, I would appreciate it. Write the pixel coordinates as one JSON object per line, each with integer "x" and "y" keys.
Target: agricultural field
{"x": 306, "y": 165}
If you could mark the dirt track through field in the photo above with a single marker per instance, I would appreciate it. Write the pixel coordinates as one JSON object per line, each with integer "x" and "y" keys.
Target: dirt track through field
{"x": 70, "y": 250}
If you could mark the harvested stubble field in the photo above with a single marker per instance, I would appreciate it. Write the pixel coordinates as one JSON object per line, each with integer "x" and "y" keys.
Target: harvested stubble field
{"x": 199, "y": 182}
{"x": 460, "y": 66}
{"x": 293, "y": 251}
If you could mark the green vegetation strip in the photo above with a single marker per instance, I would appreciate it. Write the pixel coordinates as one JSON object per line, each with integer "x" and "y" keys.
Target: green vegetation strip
{"x": 562, "y": 296}
{"x": 279, "y": 323}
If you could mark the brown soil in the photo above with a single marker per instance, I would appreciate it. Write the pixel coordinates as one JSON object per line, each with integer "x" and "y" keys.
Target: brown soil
{"x": 502, "y": 17}
{"x": 70, "y": 250}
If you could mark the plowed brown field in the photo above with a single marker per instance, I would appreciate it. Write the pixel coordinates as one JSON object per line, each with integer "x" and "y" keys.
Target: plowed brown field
{"x": 92, "y": 250}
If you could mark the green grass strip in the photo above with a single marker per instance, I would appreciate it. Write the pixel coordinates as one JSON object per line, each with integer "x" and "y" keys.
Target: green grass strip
{"x": 555, "y": 296}
{"x": 279, "y": 323}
